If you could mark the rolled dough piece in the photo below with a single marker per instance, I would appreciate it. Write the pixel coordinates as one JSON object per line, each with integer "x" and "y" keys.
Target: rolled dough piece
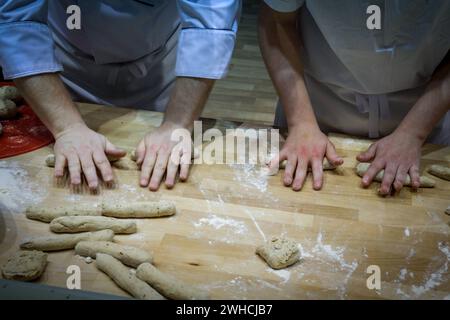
{"x": 8, "y": 109}
{"x": 440, "y": 171}
{"x": 282, "y": 165}
{"x": 25, "y": 265}
{"x": 65, "y": 241}
{"x": 130, "y": 256}
{"x": 125, "y": 279}
{"x": 139, "y": 209}
{"x": 167, "y": 285}
{"x": 126, "y": 163}
{"x": 447, "y": 211}
{"x": 425, "y": 182}
{"x": 50, "y": 160}
{"x": 48, "y": 214}
{"x": 9, "y": 93}
{"x": 86, "y": 223}
{"x": 279, "y": 252}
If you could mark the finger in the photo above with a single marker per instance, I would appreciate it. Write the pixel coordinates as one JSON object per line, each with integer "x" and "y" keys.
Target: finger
{"x": 74, "y": 168}
{"x": 332, "y": 155}
{"x": 373, "y": 170}
{"x": 140, "y": 153}
{"x": 159, "y": 170}
{"x": 184, "y": 167}
{"x": 367, "y": 155}
{"x": 172, "y": 168}
{"x": 300, "y": 174}
{"x": 60, "y": 165}
{"x": 112, "y": 150}
{"x": 289, "y": 170}
{"x": 104, "y": 166}
{"x": 400, "y": 178}
{"x": 389, "y": 175}
{"x": 89, "y": 171}
{"x": 147, "y": 167}
{"x": 317, "y": 170}
{"x": 277, "y": 159}
{"x": 415, "y": 177}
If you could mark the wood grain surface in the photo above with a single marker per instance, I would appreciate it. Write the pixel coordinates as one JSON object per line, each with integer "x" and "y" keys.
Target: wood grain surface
{"x": 225, "y": 211}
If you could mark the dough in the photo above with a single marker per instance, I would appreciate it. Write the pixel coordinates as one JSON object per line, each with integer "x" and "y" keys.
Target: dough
{"x": 125, "y": 279}
{"x": 326, "y": 166}
{"x": 48, "y": 214}
{"x": 279, "y": 252}
{"x": 130, "y": 256}
{"x": 8, "y": 109}
{"x": 1, "y": 129}
{"x": 50, "y": 160}
{"x": 65, "y": 241}
{"x": 139, "y": 209}
{"x": 86, "y": 223}
{"x": 126, "y": 163}
{"x": 25, "y": 265}
{"x": 447, "y": 211}
{"x": 440, "y": 171}
{"x": 167, "y": 285}
{"x": 9, "y": 93}
{"x": 425, "y": 182}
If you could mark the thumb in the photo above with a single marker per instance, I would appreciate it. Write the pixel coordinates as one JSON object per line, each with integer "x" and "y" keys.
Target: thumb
{"x": 332, "y": 156}
{"x": 112, "y": 150}
{"x": 367, "y": 155}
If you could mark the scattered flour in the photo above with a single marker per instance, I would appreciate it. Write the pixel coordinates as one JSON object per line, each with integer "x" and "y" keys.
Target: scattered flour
{"x": 283, "y": 274}
{"x": 403, "y": 273}
{"x": 217, "y": 223}
{"x": 407, "y": 233}
{"x": 17, "y": 191}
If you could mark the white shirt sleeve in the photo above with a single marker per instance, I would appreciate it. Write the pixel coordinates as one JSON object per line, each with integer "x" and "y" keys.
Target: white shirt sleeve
{"x": 284, "y": 5}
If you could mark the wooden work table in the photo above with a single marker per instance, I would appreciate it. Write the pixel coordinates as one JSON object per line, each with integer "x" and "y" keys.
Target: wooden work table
{"x": 224, "y": 211}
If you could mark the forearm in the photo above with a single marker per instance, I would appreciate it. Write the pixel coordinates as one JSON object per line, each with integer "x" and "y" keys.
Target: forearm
{"x": 430, "y": 107}
{"x": 280, "y": 47}
{"x": 187, "y": 101}
{"x": 50, "y": 100}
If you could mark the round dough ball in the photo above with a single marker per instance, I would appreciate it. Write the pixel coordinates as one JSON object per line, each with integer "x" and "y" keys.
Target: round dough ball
{"x": 25, "y": 265}
{"x": 8, "y": 109}
{"x": 9, "y": 93}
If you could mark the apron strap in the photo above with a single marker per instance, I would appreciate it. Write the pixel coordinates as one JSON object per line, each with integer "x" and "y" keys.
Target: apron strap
{"x": 377, "y": 105}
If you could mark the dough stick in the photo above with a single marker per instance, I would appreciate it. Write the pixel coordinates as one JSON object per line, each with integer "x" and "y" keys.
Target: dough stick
{"x": 282, "y": 165}
{"x": 50, "y": 160}
{"x": 425, "y": 182}
{"x": 123, "y": 277}
{"x": 139, "y": 209}
{"x": 167, "y": 285}
{"x": 48, "y": 214}
{"x": 65, "y": 241}
{"x": 440, "y": 171}
{"x": 130, "y": 256}
{"x": 82, "y": 224}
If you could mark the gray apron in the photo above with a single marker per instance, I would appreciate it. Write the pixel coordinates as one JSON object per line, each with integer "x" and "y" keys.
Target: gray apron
{"x": 105, "y": 65}
{"x": 363, "y": 82}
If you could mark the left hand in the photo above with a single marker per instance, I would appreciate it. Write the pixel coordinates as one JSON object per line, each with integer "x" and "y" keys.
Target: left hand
{"x": 399, "y": 155}
{"x": 158, "y": 154}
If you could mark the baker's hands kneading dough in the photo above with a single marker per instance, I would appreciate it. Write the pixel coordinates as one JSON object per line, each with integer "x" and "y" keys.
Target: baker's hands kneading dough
{"x": 83, "y": 151}
{"x": 305, "y": 147}
{"x": 399, "y": 155}
{"x": 158, "y": 153}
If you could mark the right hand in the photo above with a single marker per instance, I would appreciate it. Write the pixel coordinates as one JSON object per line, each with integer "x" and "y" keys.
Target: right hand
{"x": 83, "y": 151}
{"x": 305, "y": 146}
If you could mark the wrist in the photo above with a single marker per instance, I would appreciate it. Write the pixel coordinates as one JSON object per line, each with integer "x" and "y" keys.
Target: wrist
{"x": 61, "y": 130}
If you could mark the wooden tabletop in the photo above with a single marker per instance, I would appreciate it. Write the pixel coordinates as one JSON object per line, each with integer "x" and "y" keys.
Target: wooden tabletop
{"x": 225, "y": 211}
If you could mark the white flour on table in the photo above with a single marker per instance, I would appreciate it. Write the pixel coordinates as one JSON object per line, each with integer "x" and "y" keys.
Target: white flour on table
{"x": 17, "y": 190}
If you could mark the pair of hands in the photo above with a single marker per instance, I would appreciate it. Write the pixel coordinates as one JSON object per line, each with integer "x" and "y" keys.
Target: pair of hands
{"x": 398, "y": 154}
{"x": 84, "y": 151}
